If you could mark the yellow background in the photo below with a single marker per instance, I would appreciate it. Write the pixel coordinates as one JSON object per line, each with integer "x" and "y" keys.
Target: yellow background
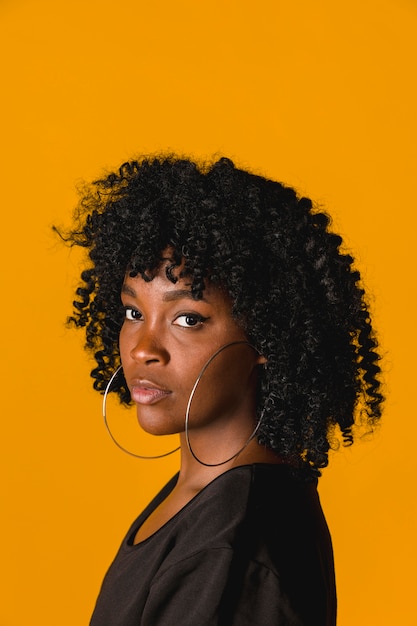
{"x": 320, "y": 95}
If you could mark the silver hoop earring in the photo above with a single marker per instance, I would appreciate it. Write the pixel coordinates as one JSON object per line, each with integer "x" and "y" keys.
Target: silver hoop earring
{"x": 187, "y": 413}
{"x": 138, "y": 456}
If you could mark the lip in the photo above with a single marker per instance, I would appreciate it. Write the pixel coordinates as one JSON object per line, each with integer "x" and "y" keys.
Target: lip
{"x": 146, "y": 392}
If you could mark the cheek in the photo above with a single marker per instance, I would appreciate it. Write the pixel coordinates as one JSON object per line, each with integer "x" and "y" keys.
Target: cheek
{"x": 123, "y": 345}
{"x": 127, "y": 340}
{"x": 227, "y": 384}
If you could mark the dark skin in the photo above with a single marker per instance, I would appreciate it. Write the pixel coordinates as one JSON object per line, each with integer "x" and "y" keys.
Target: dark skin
{"x": 166, "y": 339}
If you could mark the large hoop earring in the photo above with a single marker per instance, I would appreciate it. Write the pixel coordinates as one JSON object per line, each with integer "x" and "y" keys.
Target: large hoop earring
{"x": 138, "y": 456}
{"x": 190, "y": 399}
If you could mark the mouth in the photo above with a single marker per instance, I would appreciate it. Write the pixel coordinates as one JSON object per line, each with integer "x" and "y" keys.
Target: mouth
{"x": 146, "y": 392}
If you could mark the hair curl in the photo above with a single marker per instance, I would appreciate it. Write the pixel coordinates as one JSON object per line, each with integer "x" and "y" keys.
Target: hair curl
{"x": 296, "y": 294}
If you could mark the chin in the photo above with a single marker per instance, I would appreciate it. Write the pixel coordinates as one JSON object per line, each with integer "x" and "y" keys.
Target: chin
{"x": 157, "y": 425}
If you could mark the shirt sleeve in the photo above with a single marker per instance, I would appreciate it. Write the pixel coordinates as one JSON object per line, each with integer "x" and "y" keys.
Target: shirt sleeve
{"x": 205, "y": 589}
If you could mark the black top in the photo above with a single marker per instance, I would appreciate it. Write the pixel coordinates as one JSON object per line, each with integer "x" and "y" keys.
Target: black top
{"x": 252, "y": 548}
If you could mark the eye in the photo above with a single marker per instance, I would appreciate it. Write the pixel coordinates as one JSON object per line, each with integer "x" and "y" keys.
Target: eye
{"x": 190, "y": 320}
{"x": 132, "y": 315}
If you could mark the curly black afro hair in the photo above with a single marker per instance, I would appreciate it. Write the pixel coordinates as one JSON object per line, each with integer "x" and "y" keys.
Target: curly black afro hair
{"x": 296, "y": 294}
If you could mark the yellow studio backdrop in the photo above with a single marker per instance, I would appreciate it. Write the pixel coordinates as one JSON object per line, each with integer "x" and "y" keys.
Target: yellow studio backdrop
{"x": 320, "y": 95}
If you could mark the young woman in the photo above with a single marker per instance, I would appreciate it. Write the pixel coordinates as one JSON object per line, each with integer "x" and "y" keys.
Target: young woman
{"x": 220, "y": 305}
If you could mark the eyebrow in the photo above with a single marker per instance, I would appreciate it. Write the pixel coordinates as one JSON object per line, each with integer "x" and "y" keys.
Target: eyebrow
{"x": 169, "y": 296}
{"x": 128, "y": 290}
{"x": 179, "y": 294}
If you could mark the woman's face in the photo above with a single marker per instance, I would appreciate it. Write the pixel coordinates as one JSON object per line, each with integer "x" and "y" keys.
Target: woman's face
{"x": 166, "y": 339}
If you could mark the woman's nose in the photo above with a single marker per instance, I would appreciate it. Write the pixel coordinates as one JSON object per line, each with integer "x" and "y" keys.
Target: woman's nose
{"x": 148, "y": 348}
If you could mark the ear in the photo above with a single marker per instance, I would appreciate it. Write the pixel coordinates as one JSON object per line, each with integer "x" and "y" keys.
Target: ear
{"x": 261, "y": 360}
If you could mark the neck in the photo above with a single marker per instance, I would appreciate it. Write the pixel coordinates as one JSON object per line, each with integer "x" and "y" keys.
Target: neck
{"x": 194, "y": 476}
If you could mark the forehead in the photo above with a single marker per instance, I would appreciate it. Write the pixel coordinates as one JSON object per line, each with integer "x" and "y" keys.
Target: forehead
{"x": 161, "y": 287}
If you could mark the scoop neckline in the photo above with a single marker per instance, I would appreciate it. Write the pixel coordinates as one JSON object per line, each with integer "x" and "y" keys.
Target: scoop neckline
{"x": 128, "y": 543}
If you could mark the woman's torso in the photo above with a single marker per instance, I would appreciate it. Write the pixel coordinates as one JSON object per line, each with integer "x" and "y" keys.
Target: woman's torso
{"x": 251, "y": 548}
